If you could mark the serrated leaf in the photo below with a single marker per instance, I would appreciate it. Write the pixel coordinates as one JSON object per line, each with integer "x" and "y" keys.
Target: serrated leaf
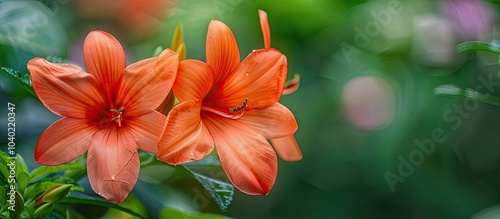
{"x": 221, "y": 192}
{"x": 22, "y": 80}
{"x": 75, "y": 165}
{"x": 456, "y": 92}
{"x": 78, "y": 198}
{"x": 168, "y": 213}
{"x": 493, "y": 47}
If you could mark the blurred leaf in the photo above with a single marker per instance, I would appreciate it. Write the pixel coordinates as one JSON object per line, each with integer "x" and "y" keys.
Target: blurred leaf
{"x": 131, "y": 203}
{"x": 31, "y": 26}
{"x": 493, "y": 47}
{"x": 41, "y": 171}
{"x": 58, "y": 59}
{"x": 78, "y": 198}
{"x": 56, "y": 215}
{"x": 220, "y": 191}
{"x": 158, "y": 50}
{"x": 207, "y": 161}
{"x": 22, "y": 79}
{"x": 19, "y": 203}
{"x": 168, "y": 213}
{"x": 454, "y": 91}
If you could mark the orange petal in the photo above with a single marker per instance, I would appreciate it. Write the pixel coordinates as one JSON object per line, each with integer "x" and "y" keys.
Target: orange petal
{"x": 264, "y": 25}
{"x": 113, "y": 163}
{"x": 222, "y": 50}
{"x": 63, "y": 141}
{"x": 292, "y": 85}
{"x": 185, "y": 137}
{"x": 194, "y": 80}
{"x": 287, "y": 148}
{"x": 260, "y": 78}
{"x": 247, "y": 158}
{"x": 105, "y": 59}
{"x": 64, "y": 89}
{"x": 146, "y": 83}
{"x": 147, "y": 130}
{"x": 275, "y": 121}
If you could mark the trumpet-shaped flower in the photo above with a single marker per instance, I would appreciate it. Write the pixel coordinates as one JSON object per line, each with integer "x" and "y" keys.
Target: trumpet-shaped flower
{"x": 107, "y": 110}
{"x": 233, "y": 106}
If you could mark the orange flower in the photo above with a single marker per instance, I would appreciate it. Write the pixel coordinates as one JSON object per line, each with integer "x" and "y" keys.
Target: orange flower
{"x": 108, "y": 111}
{"x": 233, "y": 106}
{"x": 286, "y": 147}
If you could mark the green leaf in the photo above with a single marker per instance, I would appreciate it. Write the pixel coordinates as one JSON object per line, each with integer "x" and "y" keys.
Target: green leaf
{"x": 207, "y": 161}
{"x": 221, "y": 192}
{"x": 76, "y": 165}
{"x": 493, "y": 47}
{"x": 22, "y": 173}
{"x": 168, "y": 213}
{"x": 4, "y": 169}
{"x": 79, "y": 198}
{"x": 23, "y": 179}
{"x": 22, "y": 79}
{"x": 44, "y": 210}
{"x": 21, "y": 165}
{"x": 454, "y": 91}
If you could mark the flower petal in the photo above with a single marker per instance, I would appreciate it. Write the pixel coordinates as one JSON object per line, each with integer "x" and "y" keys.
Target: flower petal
{"x": 247, "y": 158}
{"x": 185, "y": 137}
{"x": 260, "y": 78}
{"x": 194, "y": 80}
{"x": 105, "y": 59}
{"x": 65, "y": 89}
{"x": 275, "y": 121}
{"x": 222, "y": 50}
{"x": 264, "y": 25}
{"x": 146, "y": 83}
{"x": 63, "y": 141}
{"x": 113, "y": 163}
{"x": 147, "y": 130}
{"x": 287, "y": 148}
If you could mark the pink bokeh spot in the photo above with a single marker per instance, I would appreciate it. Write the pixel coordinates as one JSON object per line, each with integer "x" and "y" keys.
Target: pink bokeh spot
{"x": 368, "y": 102}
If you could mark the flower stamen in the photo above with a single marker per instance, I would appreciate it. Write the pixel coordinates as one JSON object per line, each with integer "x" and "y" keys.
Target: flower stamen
{"x": 240, "y": 107}
{"x": 117, "y": 118}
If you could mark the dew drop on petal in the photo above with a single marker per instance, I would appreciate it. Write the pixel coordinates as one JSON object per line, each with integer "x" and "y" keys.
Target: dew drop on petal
{"x": 192, "y": 154}
{"x": 246, "y": 74}
{"x": 112, "y": 177}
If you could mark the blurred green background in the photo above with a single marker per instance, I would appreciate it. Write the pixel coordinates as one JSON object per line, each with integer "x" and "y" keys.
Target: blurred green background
{"x": 366, "y": 100}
